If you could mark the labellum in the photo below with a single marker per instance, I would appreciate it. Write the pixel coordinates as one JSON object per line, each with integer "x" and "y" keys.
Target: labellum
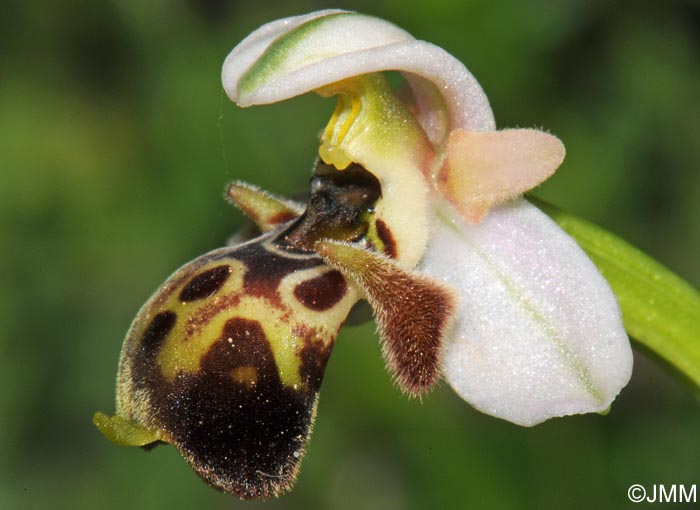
{"x": 225, "y": 360}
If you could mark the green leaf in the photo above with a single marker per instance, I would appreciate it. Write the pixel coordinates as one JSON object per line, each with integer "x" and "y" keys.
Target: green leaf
{"x": 660, "y": 310}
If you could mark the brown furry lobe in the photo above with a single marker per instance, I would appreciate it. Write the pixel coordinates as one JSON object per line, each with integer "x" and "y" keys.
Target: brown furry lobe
{"x": 412, "y": 311}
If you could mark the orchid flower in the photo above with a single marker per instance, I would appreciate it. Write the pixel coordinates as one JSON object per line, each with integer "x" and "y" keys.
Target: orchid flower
{"x": 537, "y": 331}
{"x": 416, "y": 207}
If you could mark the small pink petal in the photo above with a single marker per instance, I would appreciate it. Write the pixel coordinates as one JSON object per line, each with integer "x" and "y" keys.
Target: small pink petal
{"x": 487, "y": 168}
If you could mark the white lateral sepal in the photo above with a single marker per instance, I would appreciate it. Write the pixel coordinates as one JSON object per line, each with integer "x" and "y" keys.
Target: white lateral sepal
{"x": 539, "y": 332}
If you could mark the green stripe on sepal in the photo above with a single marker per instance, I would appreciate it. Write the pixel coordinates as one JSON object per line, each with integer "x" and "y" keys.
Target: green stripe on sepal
{"x": 660, "y": 310}
{"x": 278, "y": 54}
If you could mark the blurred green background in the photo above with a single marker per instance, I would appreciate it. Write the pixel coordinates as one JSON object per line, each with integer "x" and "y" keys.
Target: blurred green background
{"x": 116, "y": 142}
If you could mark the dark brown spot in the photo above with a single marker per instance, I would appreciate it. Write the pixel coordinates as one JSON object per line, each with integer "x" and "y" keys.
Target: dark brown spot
{"x": 156, "y": 333}
{"x": 242, "y": 438}
{"x": 242, "y": 343}
{"x": 142, "y": 354}
{"x": 322, "y": 292}
{"x": 387, "y": 238}
{"x": 205, "y": 284}
{"x": 314, "y": 357}
{"x": 184, "y": 274}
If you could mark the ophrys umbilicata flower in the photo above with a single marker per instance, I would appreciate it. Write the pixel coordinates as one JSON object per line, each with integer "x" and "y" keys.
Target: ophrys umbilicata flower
{"x": 414, "y": 207}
